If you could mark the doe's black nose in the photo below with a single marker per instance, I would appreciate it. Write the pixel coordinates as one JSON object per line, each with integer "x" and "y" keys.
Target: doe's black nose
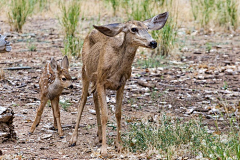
{"x": 153, "y": 44}
{"x": 71, "y": 86}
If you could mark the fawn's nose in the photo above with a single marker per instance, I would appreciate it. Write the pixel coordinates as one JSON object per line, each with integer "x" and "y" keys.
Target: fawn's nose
{"x": 71, "y": 86}
{"x": 153, "y": 44}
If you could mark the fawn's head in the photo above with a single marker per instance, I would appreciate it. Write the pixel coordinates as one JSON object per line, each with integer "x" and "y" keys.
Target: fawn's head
{"x": 136, "y": 32}
{"x": 62, "y": 76}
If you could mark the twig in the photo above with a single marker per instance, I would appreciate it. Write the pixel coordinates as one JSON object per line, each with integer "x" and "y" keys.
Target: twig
{"x": 17, "y": 68}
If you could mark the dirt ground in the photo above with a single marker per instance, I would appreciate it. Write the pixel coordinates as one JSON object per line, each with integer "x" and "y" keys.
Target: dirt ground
{"x": 204, "y": 81}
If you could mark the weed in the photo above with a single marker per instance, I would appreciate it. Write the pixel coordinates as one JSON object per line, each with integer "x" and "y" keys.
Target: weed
{"x": 19, "y": 11}
{"x": 191, "y": 136}
{"x": 65, "y": 104}
{"x": 115, "y": 4}
{"x": 225, "y": 85}
{"x": 72, "y": 46}
{"x": 224, "y": 12}
{"x": 151, "y": 62}
{"x": 70, "y": 17}
{"x": 69, "y": 21}
{"x": 43, "y": 5}
{"x": 208, "y": 47}
{"x": 32, "y": 47}
{"x": 227, "y": 13}
{"x": 140, "y": 10}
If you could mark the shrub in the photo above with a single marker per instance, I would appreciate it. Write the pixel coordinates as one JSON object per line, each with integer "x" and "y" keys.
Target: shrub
{"x": 70, "y": 17}
{"x": 69, "y": 21}
{"x": 19, "y": 11}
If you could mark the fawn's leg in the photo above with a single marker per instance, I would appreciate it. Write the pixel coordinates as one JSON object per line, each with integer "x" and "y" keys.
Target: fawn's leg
{"x": 81, "y": 105}
{"x": 54, "y": 118}
{"x": 104, "y": 117}
{"x": 118, "y": 114}
{"x": 39, "y": 113}
{"x": 55, "y": 105}
{"x": 99, "y": 133}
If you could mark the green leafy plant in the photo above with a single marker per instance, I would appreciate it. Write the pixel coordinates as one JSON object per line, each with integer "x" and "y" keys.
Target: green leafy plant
{"x": 72, "y": 46}
{"x": 150, "y": 62}
{"x": 65, "y": 104}
{"x": 227, "y": 13}
{"x": 166, "y": 38}
{"x": 32, "y": 47}
{"x": 115, "y": 5}
{"x": 191, "y": 136}
{"x": 19, "y": 11}
{"x": 70, "y": 21}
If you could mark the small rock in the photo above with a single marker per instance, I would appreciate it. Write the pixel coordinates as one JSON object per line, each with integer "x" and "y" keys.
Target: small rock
{"x": 229, "y": 72}
{"x": 189, "y": 111}
{"x": 92, "y": 111}
{"x": 46, "y": 136}
{"x": 201, "y": 77}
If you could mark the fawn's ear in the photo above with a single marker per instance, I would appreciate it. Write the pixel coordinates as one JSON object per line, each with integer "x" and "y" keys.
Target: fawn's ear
{"x": 157, "y": 22}
{"x": 110, "y": 30}
{"x": 53, "y": 64}
{"x": 65, "y": 63}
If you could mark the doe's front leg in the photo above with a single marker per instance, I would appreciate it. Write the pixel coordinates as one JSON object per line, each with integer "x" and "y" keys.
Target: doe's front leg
{"x": 104, "y": 118}
{"x": 118, "y": 115}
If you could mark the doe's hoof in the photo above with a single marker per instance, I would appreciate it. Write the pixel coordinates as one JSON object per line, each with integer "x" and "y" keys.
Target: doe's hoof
{"x": 72, "y": 145}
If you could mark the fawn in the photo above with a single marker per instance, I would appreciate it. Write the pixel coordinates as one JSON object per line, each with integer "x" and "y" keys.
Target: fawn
{"x": 107, "y": 62}
{"x": 52, "y": 82}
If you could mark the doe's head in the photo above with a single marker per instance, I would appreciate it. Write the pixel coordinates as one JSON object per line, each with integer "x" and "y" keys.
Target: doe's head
{"x": 136, "y": 32}
{"x": 61, "y": 72}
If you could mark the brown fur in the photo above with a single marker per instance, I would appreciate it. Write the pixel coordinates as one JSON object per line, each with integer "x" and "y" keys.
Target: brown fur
{"x": 52, "y": 82}
{"x": 107, "y": 62}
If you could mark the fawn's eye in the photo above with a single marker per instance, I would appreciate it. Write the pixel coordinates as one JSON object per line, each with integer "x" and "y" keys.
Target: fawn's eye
{"x": 134, "y": 29}
{"x": 64, "y": 79}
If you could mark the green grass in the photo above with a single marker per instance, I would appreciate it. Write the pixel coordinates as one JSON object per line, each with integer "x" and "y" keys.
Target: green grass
{"x": 72, "y": 46}
{"x": 166, "y": 38}
{"x": 65, "y": 104}
{"x": 150, "y": 62}
{"x": 32, "y": 47}
{"x": 69, "y": 21}
{"x": 115, "y": 5}
{"x": 18, "y": 13}
{"x": 191, "y": 138}
{"x": 219, "y": 12}
{"x": 227, "y": 13}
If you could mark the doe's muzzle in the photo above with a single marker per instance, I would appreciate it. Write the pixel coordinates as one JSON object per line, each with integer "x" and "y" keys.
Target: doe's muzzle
{"x": 153, "y": 44}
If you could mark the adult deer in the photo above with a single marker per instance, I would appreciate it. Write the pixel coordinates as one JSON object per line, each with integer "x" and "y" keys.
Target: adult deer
{"x": 107, "y": 62}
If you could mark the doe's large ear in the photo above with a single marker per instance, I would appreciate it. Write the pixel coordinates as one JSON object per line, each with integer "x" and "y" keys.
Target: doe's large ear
{"x": 53, "y": 64}
{"x": 157, "y": 22}
{"x": 65, "y": 63}
{"x": 110, "y": 30}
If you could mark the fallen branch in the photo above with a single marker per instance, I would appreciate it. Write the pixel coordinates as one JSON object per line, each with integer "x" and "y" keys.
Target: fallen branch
{"x": 17, "y": 68}
{"x": 145, "y": 84}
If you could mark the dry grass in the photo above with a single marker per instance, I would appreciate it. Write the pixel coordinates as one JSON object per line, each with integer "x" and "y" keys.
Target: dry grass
{"x": 102, "y": 11}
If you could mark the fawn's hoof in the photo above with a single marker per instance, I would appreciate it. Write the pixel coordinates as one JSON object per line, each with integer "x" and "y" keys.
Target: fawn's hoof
{"x": 29, "y": 133}
{"x": 72, "y": 145}
{"x": 53, "y": 128}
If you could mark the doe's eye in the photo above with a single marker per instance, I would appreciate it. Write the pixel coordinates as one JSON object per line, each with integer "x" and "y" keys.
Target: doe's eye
{"x": 134, "y": 29}
{"x": 64, "y": 79}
